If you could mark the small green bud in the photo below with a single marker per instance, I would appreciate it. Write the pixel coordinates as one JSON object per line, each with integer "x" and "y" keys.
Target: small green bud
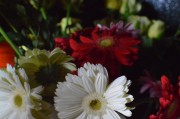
{"x": 113, "y": 4}
{"x": 72, "y": 26}
{"x": 156, "y": 30}
{"x": 130, "y": 7}
{"x": 140, "y": 22}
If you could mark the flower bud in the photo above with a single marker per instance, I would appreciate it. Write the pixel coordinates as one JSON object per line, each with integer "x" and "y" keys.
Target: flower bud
{"x": 156, "y": 30}
{"x": 130, "y": 7}
{"x": 69, "y": 26}
{"x": 113, "y": 4}
{"x": 140, "y": 22}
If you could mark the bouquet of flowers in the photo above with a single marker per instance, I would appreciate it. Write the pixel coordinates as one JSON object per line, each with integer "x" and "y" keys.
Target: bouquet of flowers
{"x": 88, "y": 59}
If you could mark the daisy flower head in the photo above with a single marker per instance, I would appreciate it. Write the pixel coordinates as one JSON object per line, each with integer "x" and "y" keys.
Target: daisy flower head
{"x": 16, "y": 98}
{"x": 87, "y": 95}
{"x": 110, "y": 46}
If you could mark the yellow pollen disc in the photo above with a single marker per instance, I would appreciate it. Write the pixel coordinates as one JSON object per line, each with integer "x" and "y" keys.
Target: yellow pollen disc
{"x": 95, "y": 105}
{"x": 106, "y": 42}
{"x": 18, "y": 100}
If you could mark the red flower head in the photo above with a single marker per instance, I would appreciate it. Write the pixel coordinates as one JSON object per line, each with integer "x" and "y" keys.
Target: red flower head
{"x": 169, "y": 101}
{"x": 111, "y": 47}
{"x": 6, "y": 54}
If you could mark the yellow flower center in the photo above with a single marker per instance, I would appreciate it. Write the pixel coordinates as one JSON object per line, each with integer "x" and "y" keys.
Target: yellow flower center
{"x": 18, "y": 101}
{"x": 95, "y": 104}
{"x": 106, "y": 42}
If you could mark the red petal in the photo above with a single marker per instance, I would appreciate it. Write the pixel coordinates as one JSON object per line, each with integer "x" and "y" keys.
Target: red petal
{"x": 74, "y": 45}
{"x": 85, "y": 40}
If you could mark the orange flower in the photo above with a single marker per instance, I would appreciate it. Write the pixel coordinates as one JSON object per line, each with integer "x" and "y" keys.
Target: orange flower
{"x": 6, "y": 54}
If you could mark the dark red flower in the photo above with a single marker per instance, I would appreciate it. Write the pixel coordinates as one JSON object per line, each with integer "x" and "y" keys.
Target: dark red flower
{"x": 112, "y": 47}
{"x": 6, "y": 54}
{"x": 169, "y": 101}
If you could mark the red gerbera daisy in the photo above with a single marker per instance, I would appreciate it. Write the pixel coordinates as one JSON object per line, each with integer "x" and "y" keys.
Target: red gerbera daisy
{"x": 6, "y": 54}
{"x": 112, "y": 47}
{"x": 169, "y": 101}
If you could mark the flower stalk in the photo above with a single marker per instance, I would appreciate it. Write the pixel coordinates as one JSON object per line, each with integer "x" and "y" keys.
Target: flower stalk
{"x": 10, "y": 42}
{"x": 68, "y": 12}
{"x": 43, "y": 13}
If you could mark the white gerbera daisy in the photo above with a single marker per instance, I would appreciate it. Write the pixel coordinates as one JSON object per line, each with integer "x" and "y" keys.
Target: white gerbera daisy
{"x": 16, "y": 98}
{"x": 87, "y": 96}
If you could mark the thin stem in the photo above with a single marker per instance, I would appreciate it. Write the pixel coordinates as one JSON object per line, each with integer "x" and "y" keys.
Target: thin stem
{"x": 68, "y": 11}
{"x": 10, "y": 42}
{"x": 43, "y": 13}
{"x": 12, "y": 27}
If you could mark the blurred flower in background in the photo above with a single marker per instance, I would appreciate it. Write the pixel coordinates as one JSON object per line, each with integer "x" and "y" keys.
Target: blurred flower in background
{"x": 7, "y": 54}
{"x": 169, "y": 101}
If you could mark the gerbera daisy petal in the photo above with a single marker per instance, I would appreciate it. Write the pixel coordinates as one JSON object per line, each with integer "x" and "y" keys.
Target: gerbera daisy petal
{"x": 119, "y": 81}
{"x": 85, "y": 40}
{"x": 100, "y": 83}
{"x": 110, "y": 114}
{"x": 88, "y": 84}
{"x": 127, "y": 113}
{"x": 82, "y": 116}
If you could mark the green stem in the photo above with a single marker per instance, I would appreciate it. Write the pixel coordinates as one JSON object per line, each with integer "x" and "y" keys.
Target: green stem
{"x": 9, "y": 41}
{"x": 13, "y": 28}
{"x": 43, "y": 13}
{"x": 31, "y": 30}
{"x": 68, "y": 11}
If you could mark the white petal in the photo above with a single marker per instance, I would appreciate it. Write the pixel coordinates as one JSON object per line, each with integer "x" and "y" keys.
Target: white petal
{"x": 88, "y": 84}
{"x": 119, "y": 81}
{"x": 35, "y": 92}
{"x": 69, "y": 113}
{"x": 110, "y": 114}
{"x": 127, "y": 113}
{"x": 82, "y": 116}
{"x": 114, "y": 92}
{"x": 27, "y": 88}
{"x": 81, "y": 72}
{"x": 74, "y": 79}
{"x": 77, "y": 90}
{"x": 100, "y": 83}
{"x": 23, "y": 74}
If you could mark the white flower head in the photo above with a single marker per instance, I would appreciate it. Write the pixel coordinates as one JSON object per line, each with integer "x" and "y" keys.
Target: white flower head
{"x": 16, "y": 97}
{"x": 87, "y": 96}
